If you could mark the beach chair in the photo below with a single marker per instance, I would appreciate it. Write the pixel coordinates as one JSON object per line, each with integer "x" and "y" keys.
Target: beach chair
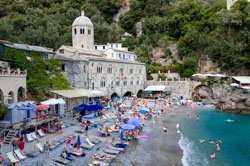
{"x": 109, "y": 151}
{"x": 12, "y": 158}
{"x": 19, "y": 154}
{"x": 29, "y": 152}
{"x": 86, "y": 146}
{"x": 41, "y": 133}
{"x": 40, "y": 147}
{"x": 60, "y": 160}
{"x": 115, "y": 148}
{"x": 108, "y": 155}
{"x": 97, "y": 163}
{"x": 90, "y": 143}
{"x": 34, "y": 136}
{"x": 29, "y": 137}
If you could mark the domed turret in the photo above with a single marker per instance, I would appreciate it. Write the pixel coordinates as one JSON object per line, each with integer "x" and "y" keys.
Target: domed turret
{"x": 83, "y": 32}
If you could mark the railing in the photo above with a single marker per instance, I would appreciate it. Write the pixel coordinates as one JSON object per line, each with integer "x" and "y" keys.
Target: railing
{"x": 12, "y": 72}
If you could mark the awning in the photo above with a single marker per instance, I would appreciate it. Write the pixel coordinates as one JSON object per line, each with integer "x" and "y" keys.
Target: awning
{"x": 156, "y": 88}
{"x": 72, "y": 93}
{"x": 242, "y": 79}
{"x": 75, "y": 93}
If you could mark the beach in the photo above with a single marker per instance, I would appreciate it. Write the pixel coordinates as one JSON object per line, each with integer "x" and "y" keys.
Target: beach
{"x": 160, "y": 149}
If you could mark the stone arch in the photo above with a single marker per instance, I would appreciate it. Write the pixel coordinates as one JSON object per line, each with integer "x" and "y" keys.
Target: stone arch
{"x": 20, "y": 94}
{"x": 128, "y": 93}
{"x": 11, "y": 97}
{"x": 140, "y": 93}
{"x": 114, "y": 95}
{"x": 202, "y": 92}
{"x": 1, "y": 97}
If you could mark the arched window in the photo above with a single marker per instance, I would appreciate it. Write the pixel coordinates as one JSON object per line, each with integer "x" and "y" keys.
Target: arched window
{"x": 89, "y": 31}
{"x": 10, "y": 97}
{"x": 99, "y": 69}
{"x": 102, "y": 82}
{"x": 109, "y": 69}
{"x": 75, "y": 31}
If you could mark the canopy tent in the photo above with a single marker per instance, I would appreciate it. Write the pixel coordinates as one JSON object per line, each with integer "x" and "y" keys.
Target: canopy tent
{"x": 127, "y": 127}
{"x": 156, "y": 88}
{"x": 93, "y": 107}
{"x": 95, "y": 93}
{"x": 53, "y": 101}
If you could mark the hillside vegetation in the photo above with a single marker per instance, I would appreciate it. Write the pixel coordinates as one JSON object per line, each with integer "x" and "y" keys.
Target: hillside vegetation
{"x": 197, "y": 27}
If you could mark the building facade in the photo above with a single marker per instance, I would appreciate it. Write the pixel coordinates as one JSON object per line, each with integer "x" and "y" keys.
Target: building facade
{"x": 109, "y": 68}
{"x": 12, "y": 84}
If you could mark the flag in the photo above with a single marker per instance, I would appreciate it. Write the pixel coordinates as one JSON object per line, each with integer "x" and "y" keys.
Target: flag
{"x": 69, "y": 140}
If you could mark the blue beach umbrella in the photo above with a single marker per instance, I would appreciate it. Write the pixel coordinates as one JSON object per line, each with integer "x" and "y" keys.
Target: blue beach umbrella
{"x": 121, "y": 135}
{"x": 135, "y": 122}
{"x": 142, "y": 111}
{"x": 78, "y": 142}
{"x": 24, "y": 108}
{"x": 127, "y": 127}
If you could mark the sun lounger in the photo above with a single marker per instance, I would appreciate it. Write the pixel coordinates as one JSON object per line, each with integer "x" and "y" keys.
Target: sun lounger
{"x": 29, "y": 137}
{"x": 96, "y": 162}
{"x": 19, "y": 154}
{"x": 95, "y": 140}
{"x": 108, "y": 155}
{"x": 58, "y": 164}
{"x": 109, "y": 151}
{"x": 60, "y": 160}
{"x": 40, "y": 147}
{"x": 90, "y": 143}
{"x": 115, "y": 148}
{"x": 41, "y": 133}
{"x": 86, "y": 146}
{"x": 11, "y": 157}
{"x": 77, "y": 152}
{"x": 33, "y": 135}
{"x": 32, "y": 152}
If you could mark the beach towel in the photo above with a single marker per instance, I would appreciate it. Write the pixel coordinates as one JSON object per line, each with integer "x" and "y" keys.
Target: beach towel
{"x": 143, "y": 136}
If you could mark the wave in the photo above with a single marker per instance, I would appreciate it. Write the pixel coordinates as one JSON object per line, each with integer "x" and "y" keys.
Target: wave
{"x": 188, "y": 148}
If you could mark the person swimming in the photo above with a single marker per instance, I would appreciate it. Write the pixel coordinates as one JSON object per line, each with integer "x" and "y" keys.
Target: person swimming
{"x": 212, "y": 156}
{"x": 201, "y": 141}
{"x": 211, "y": 141}
{"x": 217, "y": 147}
{"x": 165, "y": 129}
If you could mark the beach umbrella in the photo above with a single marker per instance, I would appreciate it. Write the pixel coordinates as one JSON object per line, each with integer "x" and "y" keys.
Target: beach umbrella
{"x": 121, "y": 135}
{"x": 127, "y": 127}
{"x": 135, "y": 122}
{"x": 78, "y": 141}
{"x": 142, "y": 111}
{"x": 176, "y": 101}
{"x": 234, "y": 84}
{"x": 41, "y": 107}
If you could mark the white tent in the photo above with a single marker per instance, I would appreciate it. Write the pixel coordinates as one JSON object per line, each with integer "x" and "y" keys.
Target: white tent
{"x": 53, "y": 101}
{"x": 95, "y": 93}
{"x": 159, "y": 88}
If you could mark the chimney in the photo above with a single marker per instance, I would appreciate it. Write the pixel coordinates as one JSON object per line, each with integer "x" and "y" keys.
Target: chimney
{"x": 82, "y": 13}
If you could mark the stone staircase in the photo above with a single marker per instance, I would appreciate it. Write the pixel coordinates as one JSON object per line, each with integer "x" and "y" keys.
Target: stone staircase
{"x": 9, "y": 137}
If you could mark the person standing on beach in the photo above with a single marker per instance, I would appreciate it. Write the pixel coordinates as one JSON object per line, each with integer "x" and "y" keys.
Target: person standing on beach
{"x": 15, "y": 142}
{"x": 46, "y": 149}
{"x": 21, "y": 144}
{"x": 86, "y": 129}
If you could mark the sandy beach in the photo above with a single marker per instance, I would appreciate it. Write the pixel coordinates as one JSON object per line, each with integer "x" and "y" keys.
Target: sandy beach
{"x": 161, "y": 149}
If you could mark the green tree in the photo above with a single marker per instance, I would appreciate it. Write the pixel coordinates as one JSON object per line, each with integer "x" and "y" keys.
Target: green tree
{"x": 3, "y": 110}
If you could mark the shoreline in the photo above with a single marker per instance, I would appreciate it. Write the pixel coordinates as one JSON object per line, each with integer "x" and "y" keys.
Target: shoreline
{"x": 161, "y": 148}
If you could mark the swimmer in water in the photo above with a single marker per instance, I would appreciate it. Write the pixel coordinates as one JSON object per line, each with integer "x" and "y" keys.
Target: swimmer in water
{"x": 201, "y": 141}
{"x": 197, "y": 118}
{"x": 211, "y": 141}
{"x": 212, "y": 156}
{"x": 217, "y": 146}
{"x": 165, "y": 129}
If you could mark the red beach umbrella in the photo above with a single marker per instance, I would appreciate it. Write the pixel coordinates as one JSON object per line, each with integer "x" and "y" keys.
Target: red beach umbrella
{"x": 41, "y": 107}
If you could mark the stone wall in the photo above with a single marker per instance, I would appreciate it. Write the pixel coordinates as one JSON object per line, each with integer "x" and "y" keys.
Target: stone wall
{"x": 177, "y": 88}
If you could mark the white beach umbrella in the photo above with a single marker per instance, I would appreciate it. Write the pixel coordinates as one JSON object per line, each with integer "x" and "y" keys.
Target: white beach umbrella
{"x": 234, "y": 84}
{"x": 245, "y": 87}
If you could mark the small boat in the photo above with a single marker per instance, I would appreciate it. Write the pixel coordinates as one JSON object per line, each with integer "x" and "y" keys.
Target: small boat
{"x": 229, "y": 120}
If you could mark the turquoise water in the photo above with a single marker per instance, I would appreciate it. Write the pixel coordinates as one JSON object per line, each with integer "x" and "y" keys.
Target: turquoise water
{"x": 235, "y": 137}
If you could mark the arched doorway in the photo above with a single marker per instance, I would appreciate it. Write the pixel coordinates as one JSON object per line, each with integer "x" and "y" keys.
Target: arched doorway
{"x": 140, "y": 94}
{"x": 21, "y": 94}
{"x": 1, "y": 97}
{"x": 114, "y": 96}
{"x": 10, "y": 97}
{"x": 202, "y": 92}
{"x": 128, "y": 94}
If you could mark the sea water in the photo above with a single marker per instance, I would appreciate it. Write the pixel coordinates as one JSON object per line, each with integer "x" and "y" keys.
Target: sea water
{"x": 232, "y": 129}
